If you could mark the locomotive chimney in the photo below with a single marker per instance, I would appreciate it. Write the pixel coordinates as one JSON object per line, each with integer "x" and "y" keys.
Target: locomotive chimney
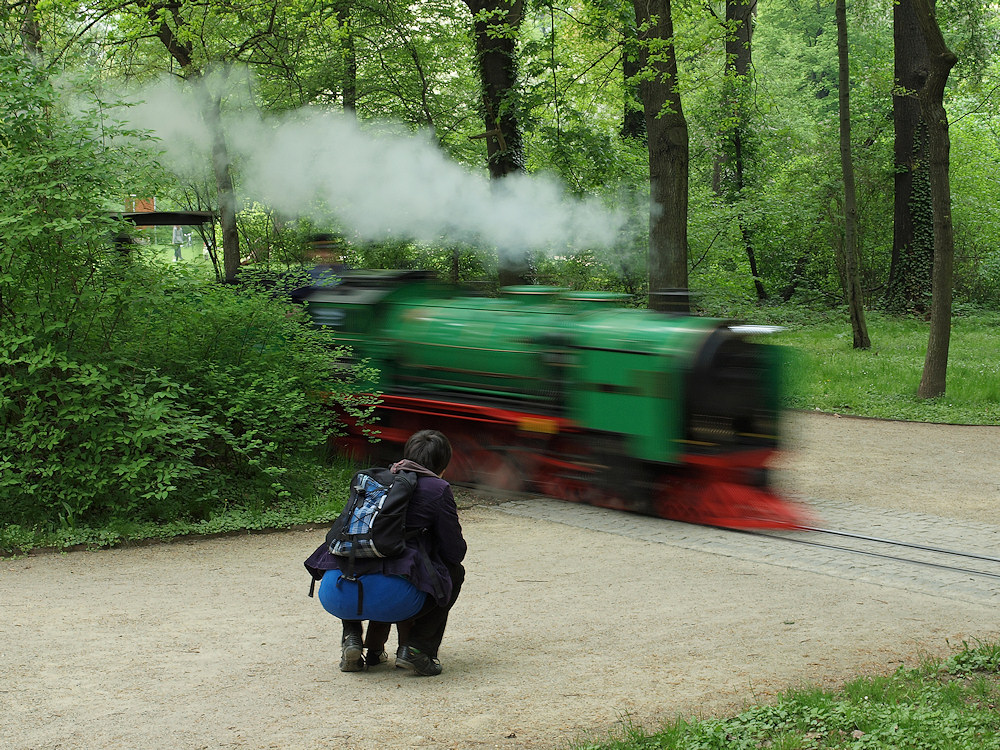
{"x": 671, "y": 301}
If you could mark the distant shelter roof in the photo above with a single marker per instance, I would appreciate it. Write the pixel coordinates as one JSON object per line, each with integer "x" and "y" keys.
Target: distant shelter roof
{"x": 166, "y": 218}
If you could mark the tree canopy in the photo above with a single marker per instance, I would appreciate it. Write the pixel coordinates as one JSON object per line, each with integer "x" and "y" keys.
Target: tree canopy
{"x": 552, "y": 89}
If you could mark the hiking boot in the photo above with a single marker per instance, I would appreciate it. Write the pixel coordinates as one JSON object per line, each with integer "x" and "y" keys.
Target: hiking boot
{"x": 373, "y": 658}
{"x": 351, "y": 658}
{"x": 418, "y": 661}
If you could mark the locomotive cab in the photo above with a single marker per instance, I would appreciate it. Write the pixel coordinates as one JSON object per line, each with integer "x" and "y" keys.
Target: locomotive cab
{"x": 732, "y": 394}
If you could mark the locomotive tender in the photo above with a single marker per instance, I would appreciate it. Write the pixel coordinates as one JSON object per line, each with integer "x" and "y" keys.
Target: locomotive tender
{"x": 569, "y": 394}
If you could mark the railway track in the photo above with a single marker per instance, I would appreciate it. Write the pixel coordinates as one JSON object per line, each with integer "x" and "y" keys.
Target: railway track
{"x": 929, "y": 555}
{"x": 932, "y": 555}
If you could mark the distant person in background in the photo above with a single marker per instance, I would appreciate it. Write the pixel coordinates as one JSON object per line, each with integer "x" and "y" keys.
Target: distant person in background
{"x": 325, "y": 252}
{"x": 178, "y": 240}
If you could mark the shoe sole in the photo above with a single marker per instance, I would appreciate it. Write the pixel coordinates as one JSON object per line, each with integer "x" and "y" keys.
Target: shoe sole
{"x": 401, "y": 664}
{"x": 352, "y": 660}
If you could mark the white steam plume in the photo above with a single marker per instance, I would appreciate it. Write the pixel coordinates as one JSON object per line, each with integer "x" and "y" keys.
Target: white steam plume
{"x": 390, "y": 184}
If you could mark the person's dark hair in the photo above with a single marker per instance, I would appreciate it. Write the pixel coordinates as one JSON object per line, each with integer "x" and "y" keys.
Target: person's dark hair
{"x": 430, "y": 449}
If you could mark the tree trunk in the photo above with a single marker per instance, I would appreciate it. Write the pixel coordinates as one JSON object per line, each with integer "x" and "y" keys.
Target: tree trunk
{"x": 728, "y": 178}
{"x": 852, "y": 279}
{"x": 941, "y": 61}
{"x": 909, "y": 285}
{"x": 31, "y": 34}
{"x": 226, "y": 193}
{"x": 633, "y": 119}
{"x": 495, "y": 24}
{"x": 667, "y": 134}
{"x": 350, "y": 81}
{"x": 181, "y": 51}
{"x": 740, "y": 16}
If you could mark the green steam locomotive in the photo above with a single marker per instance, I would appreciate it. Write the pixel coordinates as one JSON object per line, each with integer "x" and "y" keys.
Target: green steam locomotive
{"x": 570, "y": 394}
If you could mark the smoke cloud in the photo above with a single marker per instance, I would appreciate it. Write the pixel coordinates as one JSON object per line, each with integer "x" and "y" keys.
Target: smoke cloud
{"x": 378, "y": 180}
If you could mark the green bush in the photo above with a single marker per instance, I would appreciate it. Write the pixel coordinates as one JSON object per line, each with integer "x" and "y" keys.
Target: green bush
{"x": 273, "y": 388}
{"x": 85, "y": 438}
{"x": 129, "y": 390}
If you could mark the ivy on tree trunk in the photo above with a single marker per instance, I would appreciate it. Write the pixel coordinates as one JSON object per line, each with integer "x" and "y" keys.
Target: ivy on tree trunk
{"x": 909, "y": 285}
{"x": 940, "y": 62}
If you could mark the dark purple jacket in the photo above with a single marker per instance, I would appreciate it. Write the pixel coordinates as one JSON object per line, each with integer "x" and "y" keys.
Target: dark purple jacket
{"x": 432, "y": 507}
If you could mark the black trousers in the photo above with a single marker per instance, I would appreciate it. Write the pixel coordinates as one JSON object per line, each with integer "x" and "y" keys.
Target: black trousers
{"x": 427, "y": 628}
{"x": 424, "y": 631}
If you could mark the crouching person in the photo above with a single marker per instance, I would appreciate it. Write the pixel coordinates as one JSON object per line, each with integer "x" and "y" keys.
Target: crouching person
{"x": 415, "y": 588}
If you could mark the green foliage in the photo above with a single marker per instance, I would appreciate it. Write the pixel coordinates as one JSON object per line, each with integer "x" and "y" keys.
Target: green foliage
{"x": 927, "y": 708}
{"x": 416, "y": 64}
{"x": 266, "y": 239}
{"x": 320, "y": 507}
{"x": 984, "y": 657}
{"x": 88, "y": 439}
{"x": 267, "y": 382}
{"x": 83, "y": 431}
{"x": 129, "y": 389}
{"x": 975, "y": 164}
{"x": 228, "y": 402}
{"x": 57, "y": 171}
{"x": 793, "y": 187}
{"x": 832, "y": 376}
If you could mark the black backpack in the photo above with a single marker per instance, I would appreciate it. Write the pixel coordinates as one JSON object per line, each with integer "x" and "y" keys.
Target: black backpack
{"x": 373, "y": 522}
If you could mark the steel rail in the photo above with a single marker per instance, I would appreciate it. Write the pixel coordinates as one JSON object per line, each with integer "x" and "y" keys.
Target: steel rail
{"x": 870, "y": 553}
{"x": 911, "y": 545}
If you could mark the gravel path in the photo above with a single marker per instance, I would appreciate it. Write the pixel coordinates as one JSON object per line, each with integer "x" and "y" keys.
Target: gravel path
{"x": 573, "y": 619}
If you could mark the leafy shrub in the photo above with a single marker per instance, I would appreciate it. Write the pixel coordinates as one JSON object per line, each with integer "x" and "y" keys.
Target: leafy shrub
{"x": 273, "y": 388}
{"x": 128, "y": 390}
{"x": 84, "y": 438}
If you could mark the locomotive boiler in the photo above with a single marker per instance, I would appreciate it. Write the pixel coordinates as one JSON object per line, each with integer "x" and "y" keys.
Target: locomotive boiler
{"x": 570, "y": 394}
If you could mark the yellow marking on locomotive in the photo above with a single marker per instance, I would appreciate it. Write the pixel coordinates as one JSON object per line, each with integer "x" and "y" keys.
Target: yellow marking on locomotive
{"x": 538, "y": 424}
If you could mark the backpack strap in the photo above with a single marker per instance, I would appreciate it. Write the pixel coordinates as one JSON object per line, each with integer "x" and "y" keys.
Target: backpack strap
{"x": 361, "y": 589}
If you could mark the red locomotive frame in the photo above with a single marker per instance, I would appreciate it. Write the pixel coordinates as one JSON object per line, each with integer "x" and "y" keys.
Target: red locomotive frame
{"x": 513, "y": 451}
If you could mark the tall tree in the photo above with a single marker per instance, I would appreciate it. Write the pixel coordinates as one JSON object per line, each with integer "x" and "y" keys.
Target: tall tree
{"x": 852, "y": 279}
{"x": 909, "y": 284}
{"x": 350, "y": 80}
{"x": 940, "y": 62}
{"x": 633, "y": 119}
{"x": 667, "y": 134}
{"x": 729, "y": 181}
{"x": 171, "y": 27}
{"x": 31, "y": 35}
{"x": 495, "y": 30}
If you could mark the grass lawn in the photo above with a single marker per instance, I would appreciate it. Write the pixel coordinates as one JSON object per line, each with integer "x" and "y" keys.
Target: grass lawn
{"x": 949, "y": 704}
{"x": 827, "y": 374}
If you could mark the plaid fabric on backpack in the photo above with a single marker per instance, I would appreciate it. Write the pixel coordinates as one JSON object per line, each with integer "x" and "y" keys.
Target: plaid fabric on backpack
{"x": 373, "y": 523}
